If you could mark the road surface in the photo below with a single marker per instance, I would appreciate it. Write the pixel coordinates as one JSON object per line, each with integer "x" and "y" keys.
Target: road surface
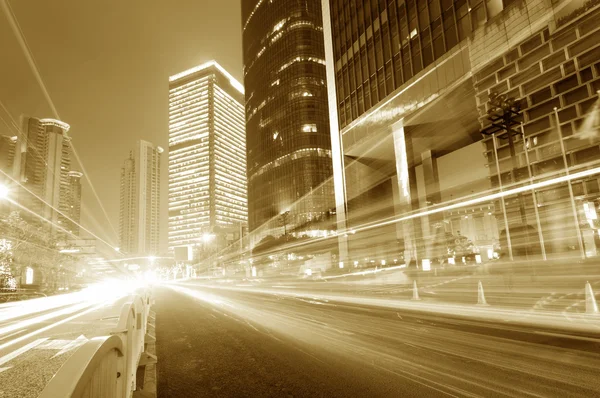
{"x": 241, "y": 343}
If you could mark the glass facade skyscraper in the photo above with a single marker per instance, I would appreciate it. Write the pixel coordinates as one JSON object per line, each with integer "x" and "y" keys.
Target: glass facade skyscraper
{"x": 412, "y": 83}
{"x": 379, "y": 45}
{"x": 287, "y": 124}
{"x": 207, "y": 154}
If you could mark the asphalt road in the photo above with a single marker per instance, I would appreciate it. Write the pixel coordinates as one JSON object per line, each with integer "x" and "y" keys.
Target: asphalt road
{"x": 235, "y": 343}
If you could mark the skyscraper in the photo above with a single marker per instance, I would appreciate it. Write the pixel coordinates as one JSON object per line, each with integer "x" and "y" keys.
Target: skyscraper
{"x": 41, "y": 164}
{"x": 207, "y": 154}
{"x": 74, "y": 201}
{"x": 287, "y": 125}
{"x": 139, "y": 217}
{"x": 410, "y": 84}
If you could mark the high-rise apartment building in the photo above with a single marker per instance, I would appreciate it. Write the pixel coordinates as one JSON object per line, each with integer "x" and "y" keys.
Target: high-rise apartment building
{"x": 74, "y": 201}
{"x": 207, "y": 154}
{"x": 41, "y": 165}
{"x": 287, "y": 127}
{"x": 139, "y": 217}
{"x": 409, "y": 89}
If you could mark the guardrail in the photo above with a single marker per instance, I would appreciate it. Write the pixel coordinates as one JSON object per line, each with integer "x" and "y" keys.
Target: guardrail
{"x": 7, "y": 295}
{"x": 106, "y": 366}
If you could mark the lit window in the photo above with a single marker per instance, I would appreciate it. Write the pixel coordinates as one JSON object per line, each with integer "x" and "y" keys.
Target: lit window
{"x": 309, "y": 128}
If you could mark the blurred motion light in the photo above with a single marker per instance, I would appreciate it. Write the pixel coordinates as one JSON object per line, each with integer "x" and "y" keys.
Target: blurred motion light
{"x": 207, "y": 237}
{"x": 29, "y": 276}
{"x": 3, "y": 191}
{"x": 426, "y": 264}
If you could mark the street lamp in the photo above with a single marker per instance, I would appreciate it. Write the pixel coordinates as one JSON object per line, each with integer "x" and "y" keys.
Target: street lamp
{"x": 206, "y": 237}
{"x": 3, "y": 191}
{"x": 505, "y": 114}
{"x": 284, "y": 217}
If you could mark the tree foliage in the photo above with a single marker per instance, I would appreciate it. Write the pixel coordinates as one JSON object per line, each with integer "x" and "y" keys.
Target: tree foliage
{"x": 30, "y": 246}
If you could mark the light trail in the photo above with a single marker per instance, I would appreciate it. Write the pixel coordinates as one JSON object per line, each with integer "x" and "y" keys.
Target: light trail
{"x": 43, "y": 318}
{"x": 459, "y": 203}
{"x": 489, "y": 314}
{"x": 487, "y": 198}
{"x": 55, "y": 324}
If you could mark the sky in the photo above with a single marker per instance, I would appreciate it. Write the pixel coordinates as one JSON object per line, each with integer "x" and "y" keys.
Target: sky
{"x": 106, "y": 66}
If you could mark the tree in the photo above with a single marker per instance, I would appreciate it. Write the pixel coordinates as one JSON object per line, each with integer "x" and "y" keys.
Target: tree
{"x": 31, "y": 247}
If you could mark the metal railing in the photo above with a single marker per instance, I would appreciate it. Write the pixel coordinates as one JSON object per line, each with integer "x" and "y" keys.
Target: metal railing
{"x": 106, "y": 366}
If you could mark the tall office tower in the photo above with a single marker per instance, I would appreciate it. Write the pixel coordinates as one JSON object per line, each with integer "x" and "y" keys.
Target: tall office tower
{"x": 207, "y": 154}
{"x": 411, "y": 83}
{"x": 7, "y": 157}
{"x": 139, "y": 217}
{"x": 287, "y": 123}
{"x": 42, "y": 163}
{"x": 73, "y": 212}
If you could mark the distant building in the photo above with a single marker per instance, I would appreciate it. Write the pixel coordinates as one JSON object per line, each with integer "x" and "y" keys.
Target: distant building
{"x": 139, "y": 215}
{"x": 74, "y": 202}
{"x": 7, "y": 157}
{"x": 207, "y": 154}
{"x": 287, "y": 121}
{"x": 41, "y": 165}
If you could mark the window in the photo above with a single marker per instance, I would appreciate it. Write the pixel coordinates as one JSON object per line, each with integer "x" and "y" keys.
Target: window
{"x": 309, "y": 128}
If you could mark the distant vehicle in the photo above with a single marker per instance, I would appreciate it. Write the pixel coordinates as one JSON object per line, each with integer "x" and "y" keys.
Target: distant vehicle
{"x": 459, "y": 247}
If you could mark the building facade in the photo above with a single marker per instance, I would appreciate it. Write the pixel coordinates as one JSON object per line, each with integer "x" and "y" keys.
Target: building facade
{"x": 207, "y": 154}
{"x": 412, "y": 85}
{"x": 139, "y": 217}
{"x": 287, "y": 125}
{"x": 74, "y": 202}
{"x": 41, "y": 165}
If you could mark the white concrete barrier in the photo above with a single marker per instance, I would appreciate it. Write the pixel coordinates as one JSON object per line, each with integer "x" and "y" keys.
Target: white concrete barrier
{"x": 106, "y": 366}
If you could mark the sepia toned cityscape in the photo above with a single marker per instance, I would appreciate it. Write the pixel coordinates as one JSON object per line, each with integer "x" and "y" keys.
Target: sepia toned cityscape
{"x": 300, "y": 198}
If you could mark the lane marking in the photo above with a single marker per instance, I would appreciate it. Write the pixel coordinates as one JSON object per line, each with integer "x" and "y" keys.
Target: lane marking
{"x": 12, "y": 334}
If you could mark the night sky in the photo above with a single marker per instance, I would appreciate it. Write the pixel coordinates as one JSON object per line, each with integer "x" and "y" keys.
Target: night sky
{"x": 106, "y": 66}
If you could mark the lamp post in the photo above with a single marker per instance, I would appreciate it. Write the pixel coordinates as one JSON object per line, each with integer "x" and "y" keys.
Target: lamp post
{"x": 284, "y": 217}
{"x": 4, "y": 191}
{"x": 505, "y": 114}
